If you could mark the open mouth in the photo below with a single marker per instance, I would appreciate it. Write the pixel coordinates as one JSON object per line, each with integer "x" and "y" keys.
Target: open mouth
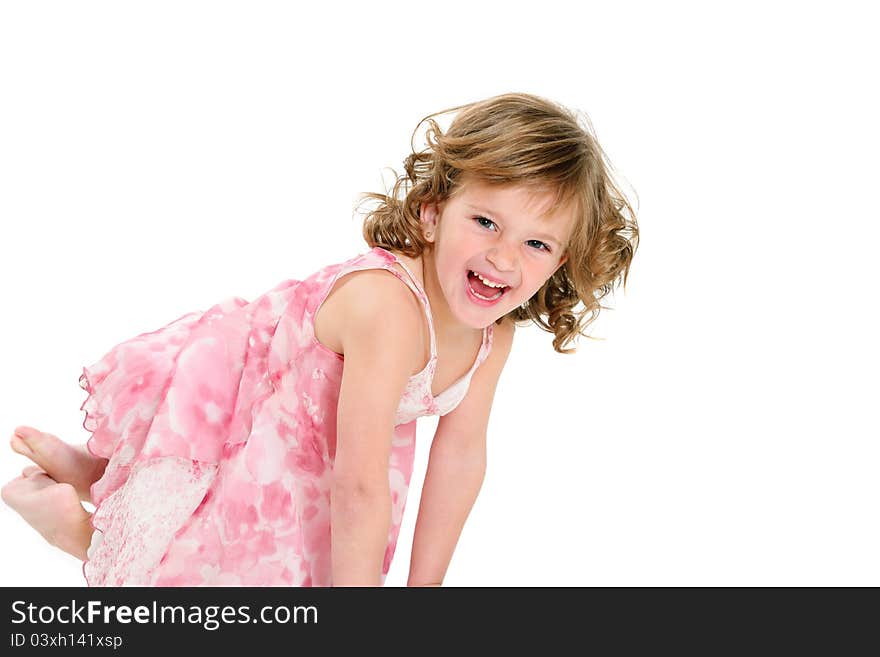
{"x": 483, "y": 289}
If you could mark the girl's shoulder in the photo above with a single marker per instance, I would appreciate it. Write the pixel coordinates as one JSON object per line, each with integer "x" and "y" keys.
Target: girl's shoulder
{"x": 361, "y": 298}
{"x": 413, "y": 264}
{"x": 376, "y": 259}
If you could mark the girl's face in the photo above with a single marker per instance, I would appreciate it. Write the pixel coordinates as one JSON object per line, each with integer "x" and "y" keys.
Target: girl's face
{"x": 495, "y": 232}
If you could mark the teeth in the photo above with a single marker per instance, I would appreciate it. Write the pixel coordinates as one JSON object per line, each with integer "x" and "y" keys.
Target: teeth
{"x": 477, "y": 294}
{"x": 489, "y": 283}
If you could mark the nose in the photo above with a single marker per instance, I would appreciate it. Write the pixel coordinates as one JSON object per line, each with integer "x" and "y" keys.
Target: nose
{"x": 502, "y": 258}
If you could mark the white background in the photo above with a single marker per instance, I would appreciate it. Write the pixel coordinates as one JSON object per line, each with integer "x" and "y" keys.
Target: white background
{"x": 156, "y": 158}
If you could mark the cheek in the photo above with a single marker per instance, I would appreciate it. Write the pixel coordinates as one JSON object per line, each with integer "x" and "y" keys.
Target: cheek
{"x": 455, "y": 256}
{"x": 534, "y": 271}
{"x": 460, "y": 243}
{"x": 451, "y": 272}
{"x": 535, "y": 275}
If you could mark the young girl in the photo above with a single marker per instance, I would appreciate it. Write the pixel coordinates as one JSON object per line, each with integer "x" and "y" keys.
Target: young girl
{"x": 271, "y": 442}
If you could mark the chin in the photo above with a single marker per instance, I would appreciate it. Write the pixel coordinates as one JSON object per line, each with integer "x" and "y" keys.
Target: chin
{"x": 480, "y": 321}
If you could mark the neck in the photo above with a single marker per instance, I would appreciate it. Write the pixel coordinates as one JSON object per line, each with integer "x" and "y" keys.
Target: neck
{"x": 445, "y": 322}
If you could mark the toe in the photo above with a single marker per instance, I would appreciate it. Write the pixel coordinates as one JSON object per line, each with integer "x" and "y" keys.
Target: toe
{"x": 20, "y": 446}
{"x": 38, "y": 446}
{"x": 39, "y": 480}
{"x": 6, "y": 491}
{"x": 10, "y": 493}
{"x": 25, "y": 431}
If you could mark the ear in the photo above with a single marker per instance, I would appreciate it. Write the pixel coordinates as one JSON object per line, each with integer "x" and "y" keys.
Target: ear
{"x": 429, "y": 215}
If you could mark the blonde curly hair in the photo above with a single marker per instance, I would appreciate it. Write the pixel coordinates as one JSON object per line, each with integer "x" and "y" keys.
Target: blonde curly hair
{"x": 521, "y": 139}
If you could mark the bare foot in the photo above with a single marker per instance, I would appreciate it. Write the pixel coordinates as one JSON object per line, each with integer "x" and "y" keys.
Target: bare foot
{"x": 65, "y": 463}
{"x": 52, "y": 509}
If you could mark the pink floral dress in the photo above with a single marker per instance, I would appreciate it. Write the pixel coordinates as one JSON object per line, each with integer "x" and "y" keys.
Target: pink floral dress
{"x": 220, "y": 430}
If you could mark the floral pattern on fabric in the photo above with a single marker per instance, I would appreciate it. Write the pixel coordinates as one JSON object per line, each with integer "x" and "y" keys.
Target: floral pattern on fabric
{"x": 220, "y": 431}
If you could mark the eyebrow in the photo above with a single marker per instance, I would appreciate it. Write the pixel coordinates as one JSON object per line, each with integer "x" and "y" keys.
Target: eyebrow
{"x": 544, "y": 236}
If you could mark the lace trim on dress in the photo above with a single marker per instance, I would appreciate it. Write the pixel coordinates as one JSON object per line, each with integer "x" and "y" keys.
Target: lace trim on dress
{"x": 135, "y": 524}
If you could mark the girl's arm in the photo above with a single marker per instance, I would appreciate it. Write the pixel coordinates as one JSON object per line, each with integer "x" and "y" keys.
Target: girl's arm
{"x": 456, "y": 467}
{"x": 382, "y": 345}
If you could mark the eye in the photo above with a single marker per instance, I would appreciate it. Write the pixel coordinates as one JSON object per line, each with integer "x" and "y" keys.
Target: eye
{"x": 541, "y": 246}
{"x": 480, "y": 221}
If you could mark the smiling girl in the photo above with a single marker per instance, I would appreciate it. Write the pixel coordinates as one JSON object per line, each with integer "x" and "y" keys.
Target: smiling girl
{"x": 271, "y": 442}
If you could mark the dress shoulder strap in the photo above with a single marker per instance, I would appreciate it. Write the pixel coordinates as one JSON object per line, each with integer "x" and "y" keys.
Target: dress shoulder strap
{"x": 413, "y": 284}
{"x": 488, "y": 332}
